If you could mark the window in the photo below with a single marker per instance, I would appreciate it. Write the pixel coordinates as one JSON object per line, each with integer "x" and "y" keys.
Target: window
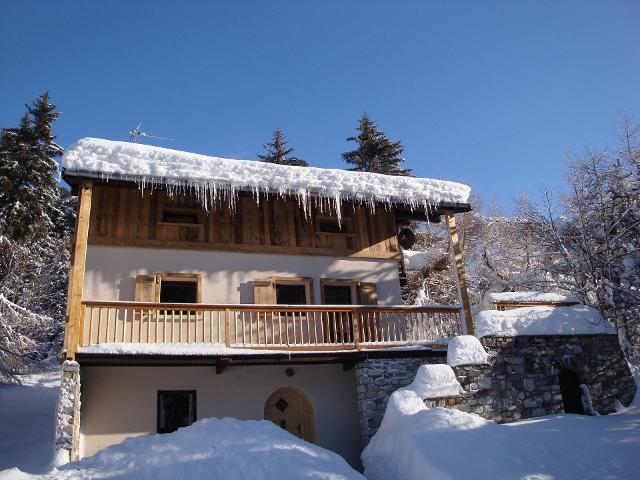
{"x": 176, "y": 408}
{"x": 172, "y": 215}
{"x": 338, "y": 295}
{"x": 283, "y": 291}
{"x": 172, "y": 291}
{"x": 185, "y": 216}
{"x": 287, "y": 294}
{"x": 329, "y": 225}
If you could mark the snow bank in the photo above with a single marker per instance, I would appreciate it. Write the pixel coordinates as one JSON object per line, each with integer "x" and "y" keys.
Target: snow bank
{"x": 417, "y": 443}
{"x": 215, "y": 178}
{"x": 529, "y": 297}
{"x": 225, "y": 448}
{"x": 574, "y": 320}
{"x": 27, "y": 421}
{"x": 417, "y": 260}
{"x": 465, "y": 350}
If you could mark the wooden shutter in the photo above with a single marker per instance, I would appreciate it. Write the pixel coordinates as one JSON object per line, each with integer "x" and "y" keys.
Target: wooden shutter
{"x": 368, "y": 293}
{"x": 264, "y": 292}
{"x": 147, "y": 288}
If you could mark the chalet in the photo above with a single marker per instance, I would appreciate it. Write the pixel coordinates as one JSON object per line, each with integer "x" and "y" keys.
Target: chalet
{"x": 204, "y": 286}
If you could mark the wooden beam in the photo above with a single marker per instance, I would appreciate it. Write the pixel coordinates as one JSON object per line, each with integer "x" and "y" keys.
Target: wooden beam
{"x": 456, "y": 257}
{"x": 222, "y": 364}
{"x": 76, "y": 277}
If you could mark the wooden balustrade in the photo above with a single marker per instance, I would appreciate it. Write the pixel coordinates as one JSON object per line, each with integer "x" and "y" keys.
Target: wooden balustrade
{"x": 301, "y": 327}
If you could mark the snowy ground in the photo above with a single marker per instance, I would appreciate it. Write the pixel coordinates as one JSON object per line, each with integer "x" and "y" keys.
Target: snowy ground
{"x": 415, "y": 442}
{"x": 212, "y": 448}
{"x": 27, "y": 415}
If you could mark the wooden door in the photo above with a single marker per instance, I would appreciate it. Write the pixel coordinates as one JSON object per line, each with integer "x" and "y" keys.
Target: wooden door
{"x": 291, "y": 410}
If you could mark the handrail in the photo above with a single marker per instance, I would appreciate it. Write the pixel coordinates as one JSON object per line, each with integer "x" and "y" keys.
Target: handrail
{"x": 274, "y": 307}
{"x": 292, "y": 327}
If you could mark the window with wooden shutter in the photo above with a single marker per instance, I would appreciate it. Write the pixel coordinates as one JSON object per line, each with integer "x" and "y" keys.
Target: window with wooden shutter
{"x": 147, "y": 288}
{"x": 265, "y": 290}
{"x": 368, "y": 293}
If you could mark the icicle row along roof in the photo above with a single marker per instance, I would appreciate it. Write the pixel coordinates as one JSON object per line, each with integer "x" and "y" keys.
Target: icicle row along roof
{"x": 214, "y": 178}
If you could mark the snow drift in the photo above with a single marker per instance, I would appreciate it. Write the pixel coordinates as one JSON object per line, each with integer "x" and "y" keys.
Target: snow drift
{"x": 575, "y": 320}
{"x": 417, "y": 443}
{"x": 212, "y": 448}
{"x": 214, "y": 178}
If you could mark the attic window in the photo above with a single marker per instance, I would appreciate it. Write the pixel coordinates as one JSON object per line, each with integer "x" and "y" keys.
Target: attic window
{"x": 330, "y": 225}
{"x": 180, "y": 215}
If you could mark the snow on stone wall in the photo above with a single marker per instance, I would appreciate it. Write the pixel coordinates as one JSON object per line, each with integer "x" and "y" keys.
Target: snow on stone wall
{"x": 214, "y": 179}
{"x": 465, "y": 350}
{"x": 575, "y": 320}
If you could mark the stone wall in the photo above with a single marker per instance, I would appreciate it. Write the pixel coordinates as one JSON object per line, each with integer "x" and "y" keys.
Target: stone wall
{"x": 520, "y": 381}
{"x": 67, "y": 432}
{"x": 377, "y": 379}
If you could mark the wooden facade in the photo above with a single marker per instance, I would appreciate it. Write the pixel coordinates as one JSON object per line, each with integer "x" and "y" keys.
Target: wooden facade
{"x": 122, "y": 215}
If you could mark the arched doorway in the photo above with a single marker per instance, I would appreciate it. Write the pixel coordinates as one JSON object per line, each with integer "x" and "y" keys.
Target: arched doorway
{"x": 291, "y": 410}
{"x": 570, "y": 390}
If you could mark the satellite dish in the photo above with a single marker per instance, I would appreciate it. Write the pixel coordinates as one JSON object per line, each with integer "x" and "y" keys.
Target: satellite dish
{"x": 406, "y": 238}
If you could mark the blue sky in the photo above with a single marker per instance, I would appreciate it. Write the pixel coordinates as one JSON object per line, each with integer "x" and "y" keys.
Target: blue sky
{"x": 492, "y": 93}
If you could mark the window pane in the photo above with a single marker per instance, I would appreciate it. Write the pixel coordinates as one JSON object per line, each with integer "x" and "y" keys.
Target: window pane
{"x": 291, "y": 294}
{"x": 178, "y": 292}
{"x": 176, "y": 409}
{"x": 337, "y": 295}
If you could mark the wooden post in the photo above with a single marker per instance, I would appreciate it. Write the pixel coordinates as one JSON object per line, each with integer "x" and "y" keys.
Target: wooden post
{"x": 227, "y": 327}
{"x": 456, "y": 257}
{"x": 76, "y": 277}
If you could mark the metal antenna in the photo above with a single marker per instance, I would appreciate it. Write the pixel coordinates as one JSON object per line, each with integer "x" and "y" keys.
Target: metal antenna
{"x": 137, "y": 133}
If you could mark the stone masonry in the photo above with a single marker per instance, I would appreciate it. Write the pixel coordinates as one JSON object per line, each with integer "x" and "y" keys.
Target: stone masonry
{"x": 68, "y": 415}
{"x": 376, "y": 380}
{"x": 520, "y": 381}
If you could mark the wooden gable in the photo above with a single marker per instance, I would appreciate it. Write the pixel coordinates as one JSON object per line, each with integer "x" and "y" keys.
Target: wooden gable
{"x": 123, "y": 215}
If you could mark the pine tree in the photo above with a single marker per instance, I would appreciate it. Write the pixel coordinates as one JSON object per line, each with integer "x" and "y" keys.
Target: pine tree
{"x": 36, "y": 223}
{"x": 28, "y": 183}
{"x": 375, "y": 152}
{"x": 278, "y": 152}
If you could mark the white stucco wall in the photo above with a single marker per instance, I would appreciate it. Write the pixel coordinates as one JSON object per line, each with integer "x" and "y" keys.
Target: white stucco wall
{"x": 227, "y": 276}
{"x": 119, "y": 402}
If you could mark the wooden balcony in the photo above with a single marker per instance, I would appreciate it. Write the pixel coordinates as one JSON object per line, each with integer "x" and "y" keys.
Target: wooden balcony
{"x": 268, "y": 327}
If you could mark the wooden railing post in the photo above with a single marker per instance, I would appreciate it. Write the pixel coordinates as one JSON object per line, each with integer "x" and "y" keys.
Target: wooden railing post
{"x": 356, "y": 329}
{"x": 458, "y": 264}
{"x": 72, "y": 333}
{"x": 227, "y": 326}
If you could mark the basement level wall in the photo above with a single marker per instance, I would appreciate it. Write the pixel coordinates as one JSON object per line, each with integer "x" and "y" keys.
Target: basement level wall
{"x": 119, "y": 402}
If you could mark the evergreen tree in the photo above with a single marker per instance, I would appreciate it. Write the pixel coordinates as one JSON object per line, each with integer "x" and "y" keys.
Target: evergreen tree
{"x": 278, "y": 152}
{"x": 28, "y": 183}
{"x": 36, "y": 223}
{"x": 375, "y": 152}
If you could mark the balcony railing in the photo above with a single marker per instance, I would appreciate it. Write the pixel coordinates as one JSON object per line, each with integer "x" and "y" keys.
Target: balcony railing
{"x": 272, "y": 327}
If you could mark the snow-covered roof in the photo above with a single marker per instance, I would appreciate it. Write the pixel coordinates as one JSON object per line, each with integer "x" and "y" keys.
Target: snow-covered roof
{"x": 214, "y": 178}
{"x": 574, "y": 320}
{"x": 530, "y": 297}
{"x": 417, "y": 259}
